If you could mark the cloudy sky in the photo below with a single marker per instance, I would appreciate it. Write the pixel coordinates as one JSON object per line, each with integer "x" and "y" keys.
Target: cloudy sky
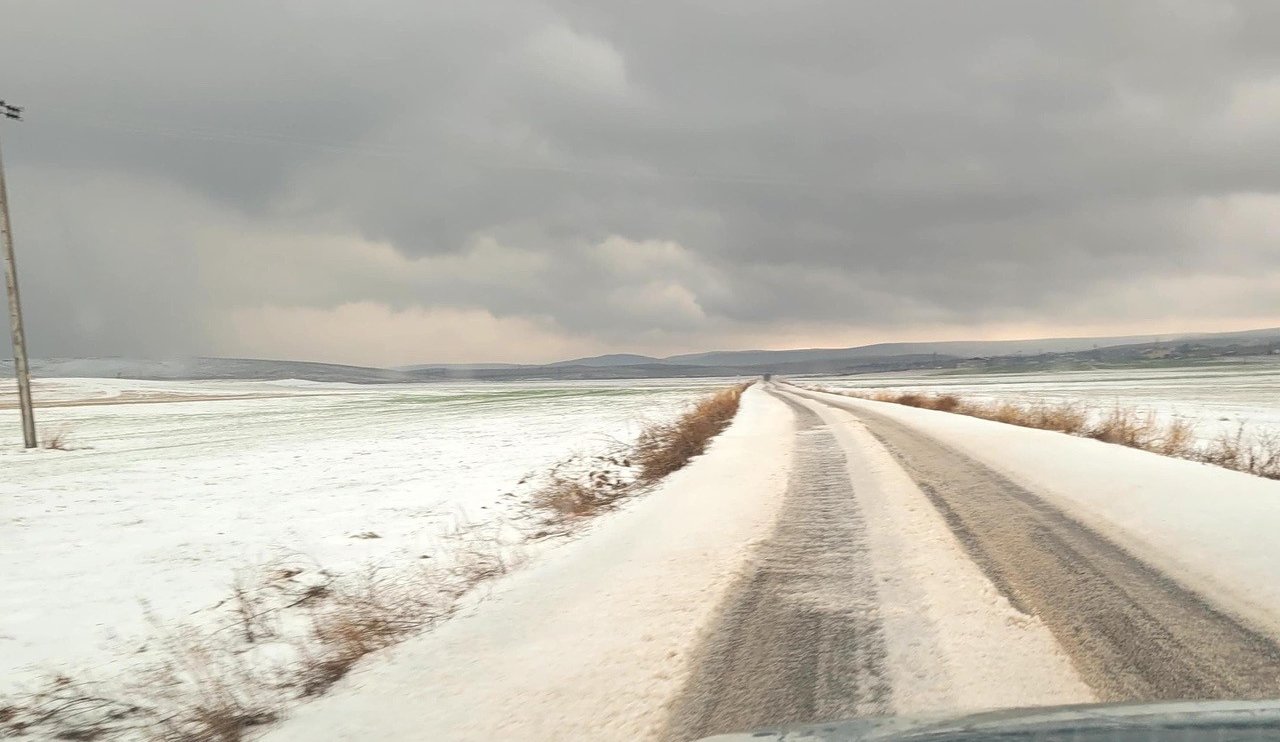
{"x": 515, "y": 180}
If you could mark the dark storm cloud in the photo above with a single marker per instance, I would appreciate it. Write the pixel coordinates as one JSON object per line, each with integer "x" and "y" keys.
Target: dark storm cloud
{"x": 656, "y": 174}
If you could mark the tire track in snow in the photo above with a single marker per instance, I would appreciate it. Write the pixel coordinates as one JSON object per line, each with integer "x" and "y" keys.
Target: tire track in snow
{"x": 1133, "y": 632}
{"x": 799, "y": 637}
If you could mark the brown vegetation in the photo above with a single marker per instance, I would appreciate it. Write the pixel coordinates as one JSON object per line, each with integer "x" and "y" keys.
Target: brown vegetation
{"x": 665, "y": 448}
{"x": 1126, "y": 427}
{"x": 661, "y": 449}
{"x": 1257, "y": 454}
{"x": 58, "y": 441}
{"x": 207, "y": 685}
{"x": 567, "y": 496}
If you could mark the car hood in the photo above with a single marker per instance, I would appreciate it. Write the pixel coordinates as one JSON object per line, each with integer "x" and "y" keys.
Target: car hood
{"x": 1183, "y": 720}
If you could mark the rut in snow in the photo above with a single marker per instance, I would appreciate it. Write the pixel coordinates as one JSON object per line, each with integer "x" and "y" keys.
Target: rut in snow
{"x": 799, "y": 636}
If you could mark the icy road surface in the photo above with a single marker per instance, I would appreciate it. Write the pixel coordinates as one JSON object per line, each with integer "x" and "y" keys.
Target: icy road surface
{"x": 174, "y": 487}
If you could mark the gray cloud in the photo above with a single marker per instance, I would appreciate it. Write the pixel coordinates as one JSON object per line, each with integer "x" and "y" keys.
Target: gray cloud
{"x": 647, "y": 176}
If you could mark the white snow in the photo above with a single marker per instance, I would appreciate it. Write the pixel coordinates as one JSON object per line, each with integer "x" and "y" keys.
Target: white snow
{"x": 164, "y": 502}
{"x": 594, "y": 641}
{"x": 1213, "y": 529}
{"x": 953, "y": 642}
{"x": 1217, "y": 398}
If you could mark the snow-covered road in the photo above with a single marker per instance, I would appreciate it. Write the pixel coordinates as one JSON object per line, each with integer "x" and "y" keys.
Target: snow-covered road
{"x": 1132, "y": 631}
{"x": 862, "y": 603}
{"x": 833, "y": 557}
{"x": 1211, "y": 528}
{"x": 592, "y": 643}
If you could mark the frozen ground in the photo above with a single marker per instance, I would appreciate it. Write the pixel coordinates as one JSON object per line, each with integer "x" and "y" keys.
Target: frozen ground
{"x": 1217, "y": 398}
{"x": 162, "y": 501}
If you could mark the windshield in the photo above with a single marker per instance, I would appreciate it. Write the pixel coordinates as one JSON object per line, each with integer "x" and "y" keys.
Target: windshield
{"x": 558, "y": 370}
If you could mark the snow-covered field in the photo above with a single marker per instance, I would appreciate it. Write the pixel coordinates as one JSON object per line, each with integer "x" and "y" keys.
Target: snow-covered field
{"x": 1217, "y": 399}
{"x": 172, "y": 488}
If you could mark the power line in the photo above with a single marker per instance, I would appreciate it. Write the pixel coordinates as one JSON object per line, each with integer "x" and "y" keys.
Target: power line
{"x": 20, "y": 365}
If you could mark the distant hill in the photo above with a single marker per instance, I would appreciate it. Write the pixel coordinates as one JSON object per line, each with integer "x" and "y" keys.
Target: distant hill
{"x": 463, "y": 366}
{"x": 1226, "y": 338}
{"x": 615, "y": 359}
{"x": 1003, "y": 354}
{"x": 205, "y": 368}
{"x": 952, "y": 348}
{"x": 957, "y": 348}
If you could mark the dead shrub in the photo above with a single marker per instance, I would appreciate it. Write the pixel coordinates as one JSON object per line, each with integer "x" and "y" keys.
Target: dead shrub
{"x": 254, "y": 619}
{"x": 57, "y": 441}
{"x": 345, "y": 635}
{"x": 1178, "y": 438}
{"x": 568, "y": 497}
{"x": 945, "y": 403}
{"x": 1227, "y": 450}
{"x": 666, "y": 447}
{"x": 472, "y": 566}
{"x": 66, "y": 709}
{"x": 1235, "y": 450}
{"x": 911, "y": 399}
{"x": 1007, "y": 412}
{"x": 577, "y": 487}
{"x": 378, "y": 608}
{"x": 941, "y": 402}
{"x": 1264, "y": 457}
{"x": 1127, "y": 427}
{"x": 203, "y": 690}
{"x": 1064, "y": 417}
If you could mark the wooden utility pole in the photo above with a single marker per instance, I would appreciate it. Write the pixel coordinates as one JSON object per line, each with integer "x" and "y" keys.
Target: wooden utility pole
{"x": 20, "y": 366}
